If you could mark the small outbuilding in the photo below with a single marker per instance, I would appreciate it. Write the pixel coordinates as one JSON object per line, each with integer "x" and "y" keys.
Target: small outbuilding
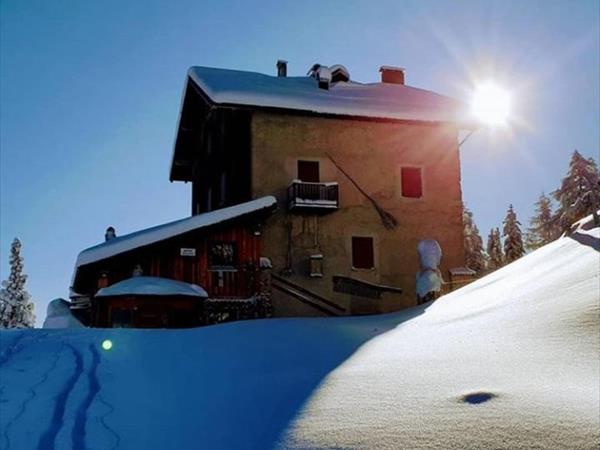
{"x": 196, "y": 271}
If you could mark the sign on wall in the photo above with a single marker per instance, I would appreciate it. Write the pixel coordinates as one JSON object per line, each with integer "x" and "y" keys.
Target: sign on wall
{"x": 187, "y": 251}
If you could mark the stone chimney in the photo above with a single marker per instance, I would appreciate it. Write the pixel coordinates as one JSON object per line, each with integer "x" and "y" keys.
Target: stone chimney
{"x": 110, "y": 234}
{"x": 281, "y": 68}
{"x": 392, "y": 75}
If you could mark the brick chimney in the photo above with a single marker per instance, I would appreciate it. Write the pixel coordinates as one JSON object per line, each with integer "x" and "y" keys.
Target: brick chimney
{"x": 392, "y": 75}
{"x": 110, "y": 234}
{"x": 281, "y": 68}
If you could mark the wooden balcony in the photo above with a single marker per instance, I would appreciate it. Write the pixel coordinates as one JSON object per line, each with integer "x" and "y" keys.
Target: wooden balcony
{"x": 304, "y": 197}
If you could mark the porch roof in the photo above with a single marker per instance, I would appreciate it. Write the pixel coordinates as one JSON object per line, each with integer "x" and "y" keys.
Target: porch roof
{"x": 152, "y": 286}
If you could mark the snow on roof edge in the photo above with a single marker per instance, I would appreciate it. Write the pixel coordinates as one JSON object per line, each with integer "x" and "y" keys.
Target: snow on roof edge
{"x": 159, "y": 233}
{"x": 296, "y": 98}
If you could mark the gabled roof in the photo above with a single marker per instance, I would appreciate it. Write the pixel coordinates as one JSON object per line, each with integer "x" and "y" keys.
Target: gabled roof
{"x": 373, "y": 100}
{"x": 159, "y": 233}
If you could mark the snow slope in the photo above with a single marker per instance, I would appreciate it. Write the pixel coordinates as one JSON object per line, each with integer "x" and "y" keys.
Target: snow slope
{"x": 525, "y": 338}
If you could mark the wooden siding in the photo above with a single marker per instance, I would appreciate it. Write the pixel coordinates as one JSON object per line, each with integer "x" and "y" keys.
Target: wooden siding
{"x": 164, "y": 260}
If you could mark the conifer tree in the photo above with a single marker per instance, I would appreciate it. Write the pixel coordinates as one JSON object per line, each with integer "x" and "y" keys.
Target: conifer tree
{"x": 543, "y": 228}
{"x": 473, "y": 244}
{"x": 16, "y": 308}
{"x": 494, "y": 250}
{"x": 513, "y": 239}
{"x": 579, "y": 192}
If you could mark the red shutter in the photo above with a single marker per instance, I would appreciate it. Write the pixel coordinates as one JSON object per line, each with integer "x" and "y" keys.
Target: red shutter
{"x": 412, "y": 184}
{"x": 362, "y": 253}
{"x": 308, "y": 171}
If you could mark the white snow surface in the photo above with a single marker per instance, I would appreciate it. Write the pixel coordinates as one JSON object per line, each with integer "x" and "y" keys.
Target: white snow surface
{"x": 58, "y": 315}
{"x": 376, "y": 100}
{"x": 430, "y": 253}
{"x": 525, "y": 335}
{"x": 428, "y": 281}
{"x": 159, "y": 233}
{"x": 152, "y": 286}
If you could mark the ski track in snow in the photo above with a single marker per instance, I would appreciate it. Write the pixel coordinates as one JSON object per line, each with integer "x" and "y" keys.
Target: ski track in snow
{"x": 31, "y": 390}
{"x": 78, "y": 434}
{"x": 17, "y": 347}
{"x": 102, "y": 420}
{"x": 47, "y": 440}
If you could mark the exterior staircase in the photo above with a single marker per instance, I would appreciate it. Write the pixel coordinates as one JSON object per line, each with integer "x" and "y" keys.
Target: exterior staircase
{"x": 305, "y": 296}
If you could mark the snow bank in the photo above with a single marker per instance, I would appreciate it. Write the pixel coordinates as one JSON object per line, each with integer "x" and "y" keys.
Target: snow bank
{"x": 383, "y": 100}
{"x": 58, "y": 315}
{"x": 152, "y": 286}
{"x": 508, "y": 362}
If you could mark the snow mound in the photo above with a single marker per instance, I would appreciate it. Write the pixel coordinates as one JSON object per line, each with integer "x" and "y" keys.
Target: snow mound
{"x": 508, "y": 362}
{"x": 152, "y": 286}
{"x": 58, "y": 315}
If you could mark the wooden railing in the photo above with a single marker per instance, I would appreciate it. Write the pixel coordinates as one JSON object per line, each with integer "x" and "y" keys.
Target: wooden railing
{"x": 299, "y": 293}
{"x": 228, "y": 283}
{"x": 303, "y": 195}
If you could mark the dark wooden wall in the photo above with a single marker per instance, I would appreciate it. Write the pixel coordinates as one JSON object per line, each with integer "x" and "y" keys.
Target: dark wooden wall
{"x": 222, "y": 150}
{"x": 164, "y": 260}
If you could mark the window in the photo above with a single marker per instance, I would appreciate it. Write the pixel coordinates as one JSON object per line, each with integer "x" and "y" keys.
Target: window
{"x": 222, "y": 189}
{"x": 308, "y": 171}
{"x": 412, "y": 183}
{"x": 209, "y": 199}
{"x": 223, "y": 255}
{"x": 362, "y": 253}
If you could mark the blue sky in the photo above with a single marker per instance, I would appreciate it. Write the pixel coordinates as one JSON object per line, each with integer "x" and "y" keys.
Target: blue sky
{"x": 90, "y": 92}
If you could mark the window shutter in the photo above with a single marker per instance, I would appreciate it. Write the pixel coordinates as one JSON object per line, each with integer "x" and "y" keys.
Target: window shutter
{"x": 412, "y": 183}
{"x": 362, "y": 253}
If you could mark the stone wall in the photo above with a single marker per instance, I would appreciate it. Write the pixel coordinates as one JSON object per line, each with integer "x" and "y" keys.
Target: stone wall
{"x": 372, "y": 152}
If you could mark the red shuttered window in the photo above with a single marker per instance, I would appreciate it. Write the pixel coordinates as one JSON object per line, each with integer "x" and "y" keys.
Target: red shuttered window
{"x": 412, "y": 182}
{"x": 362, "y": 252}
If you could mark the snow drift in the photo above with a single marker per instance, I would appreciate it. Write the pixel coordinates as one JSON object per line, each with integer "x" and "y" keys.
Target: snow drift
{"x": 58, "y": 315}
{"x": 510, "y": 361}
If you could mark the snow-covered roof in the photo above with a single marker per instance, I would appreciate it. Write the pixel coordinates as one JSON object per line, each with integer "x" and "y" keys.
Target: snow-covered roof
{"x": 374, "y": 100}
{"x": 462, "y": 271}
{"x": 152, "y": 286}
{"x": 159, "y": 233}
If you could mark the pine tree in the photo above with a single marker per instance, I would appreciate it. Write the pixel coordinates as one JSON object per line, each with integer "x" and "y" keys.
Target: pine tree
{"x": 579, "y": 192}
{"x": 16, "y": 308}
{"x": 494, "y": 250}
{"x": 513, "y": 240}
{"x": 543, "y": 229}
{"x": 473, "y": 244}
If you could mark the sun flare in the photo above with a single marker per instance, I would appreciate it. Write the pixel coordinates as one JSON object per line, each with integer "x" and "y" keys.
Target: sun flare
{"x": 491, "y": 104}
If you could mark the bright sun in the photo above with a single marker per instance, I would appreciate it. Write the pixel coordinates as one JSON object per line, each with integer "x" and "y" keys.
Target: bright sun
{"x": 491, "y": 104}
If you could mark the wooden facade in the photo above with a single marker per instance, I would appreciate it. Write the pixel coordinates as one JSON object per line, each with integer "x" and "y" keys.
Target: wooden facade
{"x": 223, "y": 259}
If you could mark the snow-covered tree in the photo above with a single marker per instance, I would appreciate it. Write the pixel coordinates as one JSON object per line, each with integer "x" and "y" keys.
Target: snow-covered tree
{"x": 543, "y": 228}
{"x": 16, "y": 308}
{"x": 513, "y": 239}
{"x": 474, "y": 254}
{"x": 579, "y": 192}
{"x": 494, "y": 250}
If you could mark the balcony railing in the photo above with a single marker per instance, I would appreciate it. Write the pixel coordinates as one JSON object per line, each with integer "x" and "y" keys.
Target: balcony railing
{"x": 312, "y": 197}
{"x": 233, "y": 283}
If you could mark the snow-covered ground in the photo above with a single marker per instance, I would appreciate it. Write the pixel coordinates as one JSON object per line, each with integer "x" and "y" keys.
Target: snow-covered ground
{"x": 511, "y": 361}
